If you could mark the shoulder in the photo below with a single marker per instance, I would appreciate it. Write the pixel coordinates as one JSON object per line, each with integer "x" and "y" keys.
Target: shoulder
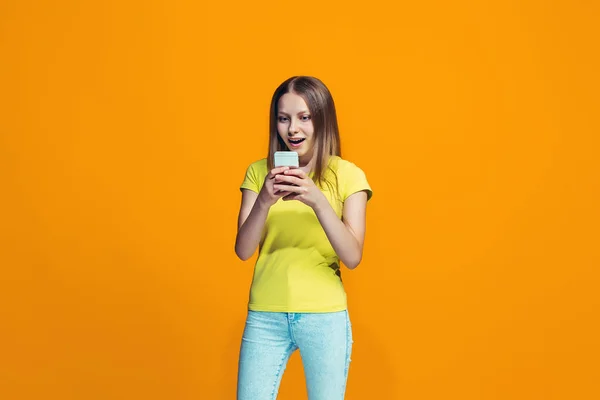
{"x": 350, "y": 177}
{"x": 257, "y": 168}
{"x": 255, "y": 175}
{"x": 258, "y": 164}
{"x": 344, "y": 167}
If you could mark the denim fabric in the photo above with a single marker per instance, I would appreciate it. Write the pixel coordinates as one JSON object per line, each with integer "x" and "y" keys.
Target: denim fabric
{"x": 269, "y": 339}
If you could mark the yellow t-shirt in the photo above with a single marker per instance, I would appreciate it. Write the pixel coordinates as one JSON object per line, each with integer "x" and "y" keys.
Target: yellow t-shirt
{"x": 297, "y": 269}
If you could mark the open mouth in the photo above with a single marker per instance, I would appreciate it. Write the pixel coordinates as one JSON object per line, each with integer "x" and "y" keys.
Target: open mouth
{"x": 296, "y": 142}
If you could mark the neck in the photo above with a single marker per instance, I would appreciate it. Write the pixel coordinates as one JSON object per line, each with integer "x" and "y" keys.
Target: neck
{"x": 307, "y": 164}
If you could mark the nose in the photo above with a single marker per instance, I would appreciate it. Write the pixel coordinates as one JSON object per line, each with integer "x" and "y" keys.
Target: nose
{"x": 293, "y": 127}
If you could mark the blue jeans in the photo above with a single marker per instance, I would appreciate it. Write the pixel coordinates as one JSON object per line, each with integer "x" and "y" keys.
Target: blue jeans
{"x": 325, "y": 344}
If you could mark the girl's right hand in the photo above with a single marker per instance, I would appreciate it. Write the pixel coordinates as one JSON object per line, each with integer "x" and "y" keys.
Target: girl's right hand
{"x": 268, "y": 195}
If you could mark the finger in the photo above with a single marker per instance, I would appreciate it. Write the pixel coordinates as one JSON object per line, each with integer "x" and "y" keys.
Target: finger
{"x": 291, "y": 196}
{"x": 288, "y": 179}
{"x": 281, "y": 193}
{"x": 296, "y": 172}
{"x": 276, "y": 171}
{"x": 288, "y": 188}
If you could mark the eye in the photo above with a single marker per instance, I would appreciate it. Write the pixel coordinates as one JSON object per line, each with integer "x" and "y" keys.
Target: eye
{"x": 305, "y": 118}
{"x": 282, "y": 119}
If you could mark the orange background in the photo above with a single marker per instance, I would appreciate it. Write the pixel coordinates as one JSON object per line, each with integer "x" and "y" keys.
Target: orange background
{"x": 125, "y": 131}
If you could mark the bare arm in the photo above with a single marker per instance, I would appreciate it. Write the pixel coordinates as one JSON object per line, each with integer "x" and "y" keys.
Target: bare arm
{"x": 347, "y": 235}
{"x": 251, "y": 221}
{"x": 253, "y": 214}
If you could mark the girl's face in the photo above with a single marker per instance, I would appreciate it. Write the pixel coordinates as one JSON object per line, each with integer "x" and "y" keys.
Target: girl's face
{"x": 295, "y": 126}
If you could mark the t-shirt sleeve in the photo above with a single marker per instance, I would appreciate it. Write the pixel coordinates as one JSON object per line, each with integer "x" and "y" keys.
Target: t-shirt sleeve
{"x": 355, "y": 180}
{"x": 251, "y": 179}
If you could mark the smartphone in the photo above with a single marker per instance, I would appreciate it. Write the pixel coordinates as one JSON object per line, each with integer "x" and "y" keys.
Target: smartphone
{"x": 286, "y": 159}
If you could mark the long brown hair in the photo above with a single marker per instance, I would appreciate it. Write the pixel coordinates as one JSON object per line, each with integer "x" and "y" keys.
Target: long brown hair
{"x": 322, "y": 109}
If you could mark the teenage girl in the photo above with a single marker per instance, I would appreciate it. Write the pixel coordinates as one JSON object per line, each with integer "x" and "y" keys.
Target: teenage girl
{"x": 304, "y": 221}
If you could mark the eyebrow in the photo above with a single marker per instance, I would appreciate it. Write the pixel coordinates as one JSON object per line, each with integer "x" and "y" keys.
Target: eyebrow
{"x": 301, "y": 112}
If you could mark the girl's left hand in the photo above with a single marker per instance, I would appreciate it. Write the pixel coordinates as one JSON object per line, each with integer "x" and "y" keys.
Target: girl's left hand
{"x": 300, "y": 186}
